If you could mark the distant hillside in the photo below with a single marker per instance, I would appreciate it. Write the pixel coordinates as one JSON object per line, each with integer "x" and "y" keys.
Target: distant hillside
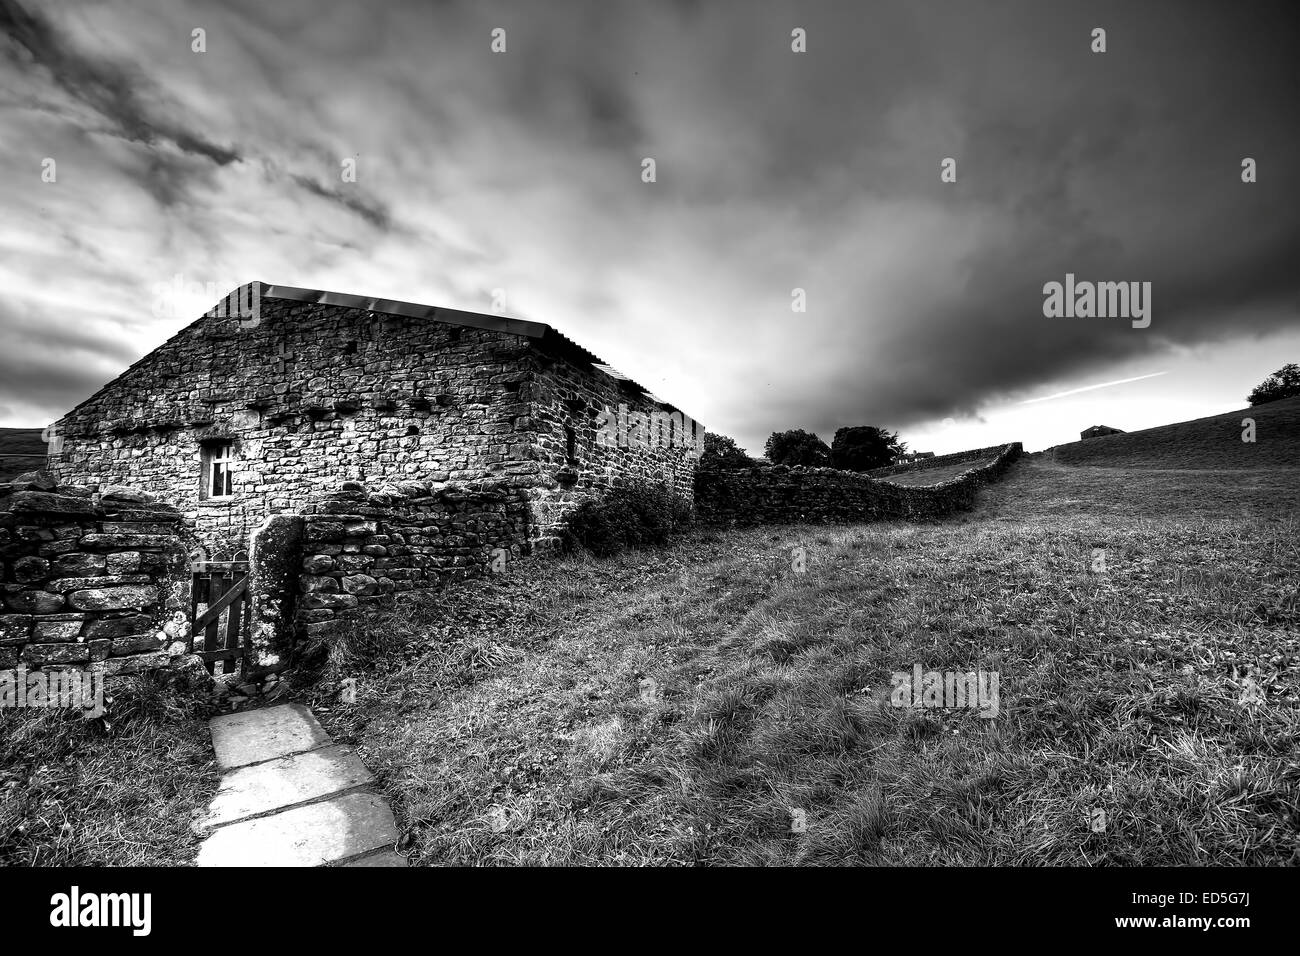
{"x": 1213, "y": 442}
{"x": 21, "y": 449}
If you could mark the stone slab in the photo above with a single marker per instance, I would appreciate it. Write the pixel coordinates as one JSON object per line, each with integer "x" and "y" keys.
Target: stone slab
{"x": 285, "y": 782}
{"x": 387, "y": 858}
{"x": 310, "y": 835}
{"x": 265, "y": 734}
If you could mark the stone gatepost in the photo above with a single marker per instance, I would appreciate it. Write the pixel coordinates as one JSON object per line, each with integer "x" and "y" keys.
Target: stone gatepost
{"x": 274, "y": 559}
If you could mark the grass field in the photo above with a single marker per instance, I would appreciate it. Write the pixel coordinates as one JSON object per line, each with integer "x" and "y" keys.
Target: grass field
{"x": 709, "y": 704}
{"x": 1214, "y": 442}
{"x": 115, "y": 791}
{"x": 932, "y": 476}
{"x": 513, "y": 721}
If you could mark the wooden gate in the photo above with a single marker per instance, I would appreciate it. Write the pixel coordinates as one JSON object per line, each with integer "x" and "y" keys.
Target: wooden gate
{"x": 222, "y": 629}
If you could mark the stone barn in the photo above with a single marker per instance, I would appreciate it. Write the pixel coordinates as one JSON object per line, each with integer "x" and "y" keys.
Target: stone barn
{"x": 1098, "y": 431}
{"x": 280, "y": 395}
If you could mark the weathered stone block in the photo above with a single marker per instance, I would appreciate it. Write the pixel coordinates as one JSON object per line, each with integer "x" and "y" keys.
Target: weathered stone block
{"x": 123, "y": 562}
{"x": 120, "y": 493}
{"x": 35, "y": 602}
{"x": 113, "y": 627}
{"x": 318, "y": 564}
{"x": 64, "y": 585}
{"x": 54, "y": 632}
{"x": 56, "y": 654}
{"x": 319, "y": 530}
{"x": 56, "y": 549}
{"x": 15, "y": 628}
{"x": 79, "y": 565}
{"x": 127, "y": 542}
{"x": 131, "y": 597}
{"x": 135, "y": 644}
{"x": 360, "y": 584}
{"x": 310, "y": 583}
{"x": 135, "y": 527}
{"x": 155, "y": 513}
{"x": 42, "y": 502}
{"x": 329, "y": 601}
{"x": 31, "y": 570}
{"x": 353, "y": 563}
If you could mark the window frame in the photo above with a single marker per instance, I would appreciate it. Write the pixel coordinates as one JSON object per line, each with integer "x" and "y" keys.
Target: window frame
{"x": 218, "y": 455}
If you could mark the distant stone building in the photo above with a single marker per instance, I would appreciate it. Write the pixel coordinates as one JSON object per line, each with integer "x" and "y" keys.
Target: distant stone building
{"x": 239, "y": 416}
{"x": 915, "y": 456}
{"x": 1097, "y": 431}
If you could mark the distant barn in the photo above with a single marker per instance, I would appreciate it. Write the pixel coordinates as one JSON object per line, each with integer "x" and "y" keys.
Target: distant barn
{"x": 1096, "y": 431}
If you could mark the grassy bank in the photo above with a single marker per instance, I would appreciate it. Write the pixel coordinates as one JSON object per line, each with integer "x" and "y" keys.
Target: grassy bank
{"x": 115, "y": 791}
{"x": 515, "y": 721}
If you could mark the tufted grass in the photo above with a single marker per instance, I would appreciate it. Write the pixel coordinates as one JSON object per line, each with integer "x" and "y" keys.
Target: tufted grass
{"x": 518, "y": 724}
{"x": 115, "y": 791}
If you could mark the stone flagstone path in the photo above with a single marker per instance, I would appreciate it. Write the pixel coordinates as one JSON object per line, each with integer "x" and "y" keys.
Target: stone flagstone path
{"x": 292, "y": 797}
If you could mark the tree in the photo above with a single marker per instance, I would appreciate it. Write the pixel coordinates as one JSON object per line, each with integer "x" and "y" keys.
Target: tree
{"x": 720, "y": 451}
{"x": 1284, "y": 383}
{"x": 797, "y": 447}
{"x": 863, "y": 447}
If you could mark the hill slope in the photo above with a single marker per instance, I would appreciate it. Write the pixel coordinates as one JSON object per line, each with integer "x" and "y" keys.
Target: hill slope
{"x": 692, "y": 705}
{"x": 1213, "y": 442}
{"x": 21, "y": 449}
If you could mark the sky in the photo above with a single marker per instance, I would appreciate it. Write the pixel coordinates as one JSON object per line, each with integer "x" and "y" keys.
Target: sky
{"x": 133, "y": 164}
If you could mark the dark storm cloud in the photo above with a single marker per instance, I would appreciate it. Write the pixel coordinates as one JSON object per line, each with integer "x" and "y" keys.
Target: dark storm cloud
{"x": 109, "y": 88}
{"x": 368, "y": 209}
{"x": 41, "y": 362}
{"x": 1115, "y": 166}
{"x": 817, "y": 170}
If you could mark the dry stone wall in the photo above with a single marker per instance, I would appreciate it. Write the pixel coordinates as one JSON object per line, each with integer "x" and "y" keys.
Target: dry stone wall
{"x": 361, "y": 547}
{"x": 973, "y": 455}
{"x": 619, "y": 437}
{"x": 775, "y": 494}
{"x": 90, "y": 580}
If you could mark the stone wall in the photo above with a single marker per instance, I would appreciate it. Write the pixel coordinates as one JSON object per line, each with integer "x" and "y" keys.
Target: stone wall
{"x": 90, "y": 580}
{"x": 774, "y": 494}
{"x": 973, "y": 455}
{"x": 361, "y": 547}
{"x": 607, "y": 453}
{"x": 311, "y": 396}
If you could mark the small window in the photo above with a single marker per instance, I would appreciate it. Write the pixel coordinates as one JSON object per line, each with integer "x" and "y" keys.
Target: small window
{"x": 218, "y": 471}
{"x": 570, "y": 444}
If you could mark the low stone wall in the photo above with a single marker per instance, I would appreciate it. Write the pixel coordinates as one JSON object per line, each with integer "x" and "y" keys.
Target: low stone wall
{"x": 777, "y": 494}
{"x": 90, "y": 580}
{"x": 973, "y": 455}
{"x": 359, "y": 547}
